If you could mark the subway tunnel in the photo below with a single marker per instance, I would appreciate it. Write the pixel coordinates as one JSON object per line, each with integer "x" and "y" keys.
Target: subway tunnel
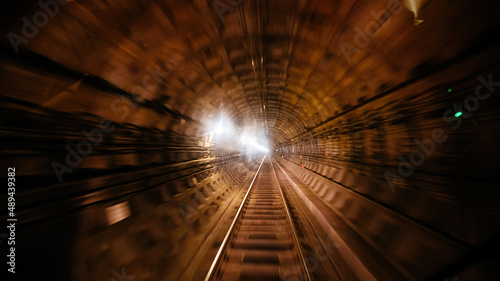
{"x": 250, "y": 140}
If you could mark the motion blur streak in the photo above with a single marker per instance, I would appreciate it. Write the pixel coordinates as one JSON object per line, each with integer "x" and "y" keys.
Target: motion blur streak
{"x": 135, "y": 128}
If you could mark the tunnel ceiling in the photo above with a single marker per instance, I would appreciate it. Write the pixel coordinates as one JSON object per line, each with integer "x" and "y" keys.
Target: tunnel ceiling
{"x": 281, "y": 65}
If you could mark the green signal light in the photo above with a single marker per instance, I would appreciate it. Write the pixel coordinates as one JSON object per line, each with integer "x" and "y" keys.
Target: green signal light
{"x": 449, "y": 90}
{"x": 458, "y": 114}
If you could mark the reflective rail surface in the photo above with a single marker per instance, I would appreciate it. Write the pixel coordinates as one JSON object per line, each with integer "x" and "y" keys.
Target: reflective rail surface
{"x": 261, "y": 243}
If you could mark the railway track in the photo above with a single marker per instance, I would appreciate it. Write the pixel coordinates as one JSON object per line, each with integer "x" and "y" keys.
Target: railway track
{"x": 261, "y": 243}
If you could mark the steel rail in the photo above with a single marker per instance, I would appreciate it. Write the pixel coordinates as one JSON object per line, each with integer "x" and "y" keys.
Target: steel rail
{"x": 293, "y": 230}
{"x": 217, "y": 258}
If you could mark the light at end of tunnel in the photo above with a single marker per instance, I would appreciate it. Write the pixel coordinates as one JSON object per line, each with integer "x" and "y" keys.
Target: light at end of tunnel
{"x": 458, "y": 114}
{"x": 251, "y": 143}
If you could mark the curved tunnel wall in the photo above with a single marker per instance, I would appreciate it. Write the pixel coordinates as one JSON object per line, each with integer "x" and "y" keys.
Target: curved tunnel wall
{"x": 149, "y": 76}
{"x": 395, "y": 177}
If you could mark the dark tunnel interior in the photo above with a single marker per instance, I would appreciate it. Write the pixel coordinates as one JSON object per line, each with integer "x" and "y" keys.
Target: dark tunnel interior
{"x": 250, "y": 140}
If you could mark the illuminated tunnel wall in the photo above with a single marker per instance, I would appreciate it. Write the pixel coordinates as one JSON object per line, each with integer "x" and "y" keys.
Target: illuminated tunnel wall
{"x": 387, "y": 110}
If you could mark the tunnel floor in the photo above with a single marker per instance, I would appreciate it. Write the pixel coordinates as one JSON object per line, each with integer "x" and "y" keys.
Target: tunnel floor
{"x": 263, "y": 244}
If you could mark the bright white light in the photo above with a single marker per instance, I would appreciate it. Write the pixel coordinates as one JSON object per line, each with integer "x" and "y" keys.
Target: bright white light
{"x": 219, "y": 129}
{"x": 251, "y": 143}
{"x": 221, "y": 126}
{"x": 259, "y": 147}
